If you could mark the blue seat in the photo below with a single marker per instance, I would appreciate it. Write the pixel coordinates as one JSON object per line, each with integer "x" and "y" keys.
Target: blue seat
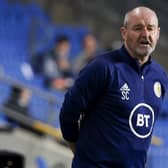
{"x": 3, "y": 120}
{"x": 4, "y": 90}
{"x": 41, "y": 162}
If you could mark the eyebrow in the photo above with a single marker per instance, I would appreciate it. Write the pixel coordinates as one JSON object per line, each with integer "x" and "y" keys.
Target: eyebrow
{"x": 141, "y": 25}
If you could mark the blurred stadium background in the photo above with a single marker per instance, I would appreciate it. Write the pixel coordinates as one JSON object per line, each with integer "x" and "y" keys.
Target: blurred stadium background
{"x": 27, "y": 28}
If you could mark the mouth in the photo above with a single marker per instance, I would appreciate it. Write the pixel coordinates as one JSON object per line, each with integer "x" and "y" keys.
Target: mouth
{"x": 144, "y": 43}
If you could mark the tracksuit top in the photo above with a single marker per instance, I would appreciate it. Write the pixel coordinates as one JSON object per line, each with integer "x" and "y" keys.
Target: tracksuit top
{"x": 111, "y": 110}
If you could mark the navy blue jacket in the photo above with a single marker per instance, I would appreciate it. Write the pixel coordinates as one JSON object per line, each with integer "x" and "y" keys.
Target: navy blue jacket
{"x": 119, "y": 102}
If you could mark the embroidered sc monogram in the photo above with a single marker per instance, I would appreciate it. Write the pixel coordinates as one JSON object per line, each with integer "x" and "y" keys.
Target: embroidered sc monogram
{"x": 125, "y": 92}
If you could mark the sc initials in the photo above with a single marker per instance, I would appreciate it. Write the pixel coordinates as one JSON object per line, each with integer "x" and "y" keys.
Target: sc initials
{"x": 125, "y": 95}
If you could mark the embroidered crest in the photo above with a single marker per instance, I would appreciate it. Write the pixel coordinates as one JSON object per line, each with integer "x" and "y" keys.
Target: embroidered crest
{"x": 157, "y": 89}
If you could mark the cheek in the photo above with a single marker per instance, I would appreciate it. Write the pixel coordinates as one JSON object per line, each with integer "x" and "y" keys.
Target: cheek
{"x": 154, "y": 39}
{"x": 155, "y": 36}
{"x": 132, "y": 36}
{"x": 131, "y": 40}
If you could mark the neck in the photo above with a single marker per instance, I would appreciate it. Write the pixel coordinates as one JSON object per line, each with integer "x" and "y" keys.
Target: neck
{"x": 143, "y": 60}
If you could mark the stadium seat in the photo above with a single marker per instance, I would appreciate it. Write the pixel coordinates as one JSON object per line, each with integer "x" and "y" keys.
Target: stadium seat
{"x": 41, "y": 162}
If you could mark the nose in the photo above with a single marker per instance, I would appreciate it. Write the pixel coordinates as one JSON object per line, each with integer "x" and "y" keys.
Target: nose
{"x": 144, "y": 32}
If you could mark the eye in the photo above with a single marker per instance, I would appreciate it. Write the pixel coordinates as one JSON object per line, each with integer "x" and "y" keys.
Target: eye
{"x": 151, "y": 28}
{"x": 137, "y": 28}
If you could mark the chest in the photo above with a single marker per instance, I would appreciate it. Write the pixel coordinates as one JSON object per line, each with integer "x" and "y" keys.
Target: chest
{"x": 129, "y": 88}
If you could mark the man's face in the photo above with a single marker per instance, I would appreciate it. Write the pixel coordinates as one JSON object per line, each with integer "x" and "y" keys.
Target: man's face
{"x": 63, "y": 48}
{"x": 141, "y": 33}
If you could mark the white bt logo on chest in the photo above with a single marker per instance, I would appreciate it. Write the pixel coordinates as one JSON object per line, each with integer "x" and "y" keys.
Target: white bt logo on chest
{"x": 141, "y": 120}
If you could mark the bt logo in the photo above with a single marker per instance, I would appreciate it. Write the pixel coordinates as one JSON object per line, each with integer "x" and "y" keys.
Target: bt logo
{"x": 141, "y": 120}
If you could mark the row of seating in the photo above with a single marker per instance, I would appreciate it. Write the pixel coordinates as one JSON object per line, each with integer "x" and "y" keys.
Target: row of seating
{"x": 25, "y": 31}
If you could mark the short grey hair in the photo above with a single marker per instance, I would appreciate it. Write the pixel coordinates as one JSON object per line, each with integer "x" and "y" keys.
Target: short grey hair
{"x": 126, "y": 17}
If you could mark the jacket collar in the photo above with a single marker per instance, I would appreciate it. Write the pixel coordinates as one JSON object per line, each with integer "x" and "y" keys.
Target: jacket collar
{"x": 133, "y": 62}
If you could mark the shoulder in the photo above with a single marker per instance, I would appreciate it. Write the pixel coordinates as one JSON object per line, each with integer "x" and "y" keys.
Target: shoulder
{"x": 107, "y": 58}
{"x": 102, "y": 64}
{"x": 161, "y": 72}
{"x": 156, "y": 67}
{"x": 98, "y": 66}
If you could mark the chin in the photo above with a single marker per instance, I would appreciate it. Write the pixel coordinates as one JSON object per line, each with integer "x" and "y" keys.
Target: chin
{"x": 145, "y": 52}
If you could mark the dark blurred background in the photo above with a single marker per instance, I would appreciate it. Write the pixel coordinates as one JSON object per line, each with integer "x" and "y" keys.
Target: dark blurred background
{"x": 104, "y": 18}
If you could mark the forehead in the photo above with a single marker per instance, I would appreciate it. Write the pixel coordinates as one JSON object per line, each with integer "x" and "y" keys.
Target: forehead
{"x": 142, "y": 17}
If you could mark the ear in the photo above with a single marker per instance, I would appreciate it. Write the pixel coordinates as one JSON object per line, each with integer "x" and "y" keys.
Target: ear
{"x": 123, "y": 32}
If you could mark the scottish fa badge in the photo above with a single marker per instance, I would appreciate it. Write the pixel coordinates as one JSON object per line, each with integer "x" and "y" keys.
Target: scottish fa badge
{"x": 157, "y": 89}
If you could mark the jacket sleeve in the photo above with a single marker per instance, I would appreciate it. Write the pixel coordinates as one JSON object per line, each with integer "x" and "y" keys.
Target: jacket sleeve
{"x": 165, "y": 83}
{"x": 88, "y": 87}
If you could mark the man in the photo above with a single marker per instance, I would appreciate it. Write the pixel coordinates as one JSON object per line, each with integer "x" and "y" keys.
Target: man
{"x": 119, "y": 94}
{"x": 87, "y": 53}
{"x": 56, "y": 65}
